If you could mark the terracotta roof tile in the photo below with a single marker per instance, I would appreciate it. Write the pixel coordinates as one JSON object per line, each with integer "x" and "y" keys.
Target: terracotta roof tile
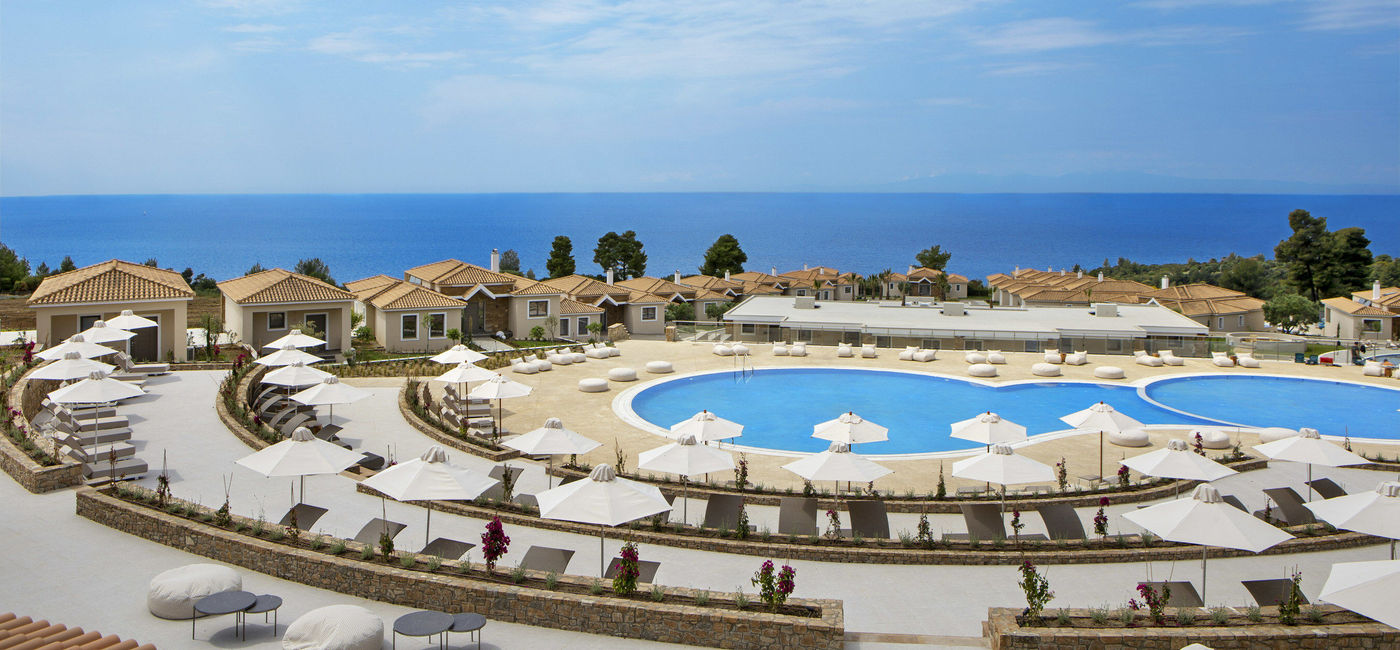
{"x": 658, "y": 286}
{"x": 457, "y": 272}
{"x": 399, "y": 295}
{"x": 586, "y": 289}
{"x": 111, "y": 281}
{"x": 1354, "y": 308}
{"x": 1390, "y": 296}
{"x": 528, "y": 287}
{"x": 278, "y": 286}
{"x": 567, "y": 306}
{"x": 370, "y": 282}
{"x": 712, "y": 283}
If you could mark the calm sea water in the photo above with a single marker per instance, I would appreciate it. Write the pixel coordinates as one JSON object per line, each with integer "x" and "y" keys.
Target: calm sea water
{"x": 360, "y": 235}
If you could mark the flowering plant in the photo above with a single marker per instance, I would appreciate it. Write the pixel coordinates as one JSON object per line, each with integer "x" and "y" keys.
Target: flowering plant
{"x": 1124, "y": 476}
{"x": 1062, "y": 475}
{"x": 833, "y": 524}
{"x": 1155, "y": 602}
{"x": 494, "y": 543}
{"x": 1198, "y": 445}
{"x": 625, "y": 582}
{"x": 1037, "y": 589}
{"x": 1016, "y": 523}
{"x": 774, "y": 590}
{"x": 1101, "y": 519}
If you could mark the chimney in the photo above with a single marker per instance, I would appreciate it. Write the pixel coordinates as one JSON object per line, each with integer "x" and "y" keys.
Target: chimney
{"x": 1080, "y": 274}
{"x": 610, "y": 276}
{"x": 726, "y": 275}
{"x": 1376, "y": 291}
{"x": 1165, "y": 282}
{"x": 1049, "y": 269}
{"x": 495, "y": 261}
{"x": 804, "y": 267}
{"x": 1100, "y": 276}
{"x": 678, "y": 276}
{"x": 1062, "y": 273}
{"x": 1017, "y": 271}
{"x": 774, "y": 271}
{"x": 911, "y": 270}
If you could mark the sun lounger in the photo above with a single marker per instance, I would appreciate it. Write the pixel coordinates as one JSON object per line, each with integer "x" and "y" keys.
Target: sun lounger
{"x": 544, "y": 558}
{"x": 289, "y": 414}
{"x": 498, "y": 472}
{"x": 1246, "y": 360}
{"x": 296, "y": 420}
{"x": 124, "y": 469}
{"x": 307, "y": 516}
{"x": 646, "y": 570}
{"x": 984, "y": 522}
{"x": 1327, "y": 488}
{"x": 91, "y": 423}
{"x": 1142, "y": 358}
{"x": 101, "y": 453}
{"x": 1221, "y": 359}
{"x": 376, "y": 527}
{"x": 125, "y": 363}
{"x": 722, "y": 511}
{"x": 1183, "y": 594}
{"x": 869, "y": 519}
{"x": 1170, "y": 358}
{"x": 369, "y": 461}
{"x": 1272, "y": 592}
{"x": 79, "y": 411}
{"x": 797, "y": 516}
{"x": 1077, "y": 358}
{"x": 1287, "y": 507}
{"x": 971, "y": 490}
{"x": 1061, "y": 521}
{"x": 447, "y": 549}
{"x": 1234, "y": 501}
{"x": 89, "y": 437}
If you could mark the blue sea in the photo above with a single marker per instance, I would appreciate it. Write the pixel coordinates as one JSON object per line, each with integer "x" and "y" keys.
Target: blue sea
{"x": 361, "y": 235}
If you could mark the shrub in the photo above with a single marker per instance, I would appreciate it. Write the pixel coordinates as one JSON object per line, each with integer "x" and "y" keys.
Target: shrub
{"x": 1062, "y": 475}
{"x": 406, "y": 560}
{"x": 1254, "y": 614}
{"x": 1101, "y": 520}
{"x": 925, "y": 531}
{"x": 741, "y": 600}
{"x": 366, "y": 552}
{"x": 1292, "y": 604}
{"x": 1186, "y": 616}
{"x": 595, "y": 587}
{"x": 537, "y": 333}
{"x": 1220, "y": 615}
{"x": 702, "y": 598}
{"x": 364, "y": 333}
{"x": 517, "y": 575}
{"x": 551, "y": 580}
{"x": 1062, "y": 617}
{"x": 434, "y": 561}
{"x": 774, "y": 590}
{"x": 1126, "y": 616}
{"x": 386, "y": 545}
{"x": 1099, "y": 615}
{"x": 625, "y": 582}
{"x": 1036, "y": 588}
{"x": 1315, "y": 614}
{"x": 657, "y": 593}
{"x": 494, "y": 543}
{"x": 1156, "y": 603}
{"x": 337, "y": 548}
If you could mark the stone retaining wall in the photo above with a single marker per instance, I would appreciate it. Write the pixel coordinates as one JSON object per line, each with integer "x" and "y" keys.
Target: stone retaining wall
{"x": 442, "y": 438}
{"x": 1006, "y": 634}
{"x": 25, "y": 396}
{"x": 630, "y": 618}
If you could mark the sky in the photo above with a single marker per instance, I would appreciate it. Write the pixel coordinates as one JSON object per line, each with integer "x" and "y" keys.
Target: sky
{"x": 288, "y": 96}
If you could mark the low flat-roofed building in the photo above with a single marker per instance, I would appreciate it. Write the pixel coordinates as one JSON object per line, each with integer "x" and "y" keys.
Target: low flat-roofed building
{"x": 68, "y": 303}
{"x": 1102, "y": 328}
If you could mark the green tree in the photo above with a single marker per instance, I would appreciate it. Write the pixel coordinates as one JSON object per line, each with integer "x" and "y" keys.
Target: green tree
{"x": 680, "y": 311}
{"x": 315, "y": 268}
{"x": 941, "y": 287}
{"x": 621, "y": 253}
{"x": 510, "y": 260}
{"x": 257, "y": 267}
{"x": 1386, "y": 270}
{"x": 13, "y": 268}
{"x": 1246, "y": 275}
{"x": 1349, "y": 268}
{"x": 43, "y": 271}
{"x": 1291, "y": 312}
{"x": 724, "y": 255}
{"x": 67, "y": 264}
{"x": 933, "y": 257}
{"x": 1306, "y": 253}
{"x": 151, "y": 262}
{"x": 561, "y": 258}
{"x": 716, "y": 310}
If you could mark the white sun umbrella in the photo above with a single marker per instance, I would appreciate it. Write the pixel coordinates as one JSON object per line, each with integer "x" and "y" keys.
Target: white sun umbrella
{"x": 457, "y": 354}
{"x": 837, "y": 464}
{"x": 988, "y": 429}
{"x": 685, "y": 458}
{"x": 75, "y": 343}
{"x": 1178, "y": 461}
{"x": 1004, "y": 467}
{"x": 301, "y": 455}
{"x": 287, "y": 356}
{"x": 1103, "y": 418}
{"x": 296, "y": 340}
{"x": 552, "y": 440}
{"x": 429, "y": 477}
{"x": 603, "y": 499}
{"x": 329, "y": 393}
{"x": 706, "y": 427}
{"x": 101, "y": 332}
{"x": 296, "y": 374}
{"x": 850, "y": 429}
{"x": 128, "y": 320}
{"x": 464, "y": 373}
{"x": 1207, "y": 520}
{"x": 1376, "y": 512}
{"x": 1308, "y": 447}
{"x": 98, "y": 388}
{"x": 499, "y": 388}
{"x": 1371, "y": 589}
{"x": 71, "y": 366}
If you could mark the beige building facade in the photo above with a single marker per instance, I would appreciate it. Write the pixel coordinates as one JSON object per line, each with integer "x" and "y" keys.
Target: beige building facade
{"x": 262, "y": 307}
{"x": 68, "y": 303}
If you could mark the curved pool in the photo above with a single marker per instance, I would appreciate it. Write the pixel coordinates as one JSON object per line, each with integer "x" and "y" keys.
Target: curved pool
{"x": 779, "y": 406}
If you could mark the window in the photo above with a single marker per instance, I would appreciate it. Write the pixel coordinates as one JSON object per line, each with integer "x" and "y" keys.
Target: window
{"x": 893, "y": 286}
{"x": 1241, "y": 322}
{"x": 277, "y": 320}
{"x": 1370, "y": 325}
{"x": 583, "y": 325}
{"x": 648, "y": 313}
{"x": 538, "y": 308}
{"x": 804, "y": 335}
{"x": 801, "y": 292}
{"x": 563, "y": 327}
{"x": 931, "y": 344}
{"x": 746, "y": 328}
{"x": 1220, "y": 323}
{"x": 437, "y": 326}
{"x": 882, "y": 341}
{"x": 410, "y": 326}
{"x": 845, "y": 289}
{"x": 84, "y": 322}
{"x": 1115, "y": 345}
{"x": 1032, "y": 346}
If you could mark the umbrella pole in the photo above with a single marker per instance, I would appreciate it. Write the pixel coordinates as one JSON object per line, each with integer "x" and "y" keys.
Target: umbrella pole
{"x": 1309, "y": 481}
{"x": 428, "y": 525}
{"x": 1204, "y": 550}
{"x": 1101, "y": 456}
{"x": 601, "y": 571}
{"x": 303, "y": 489}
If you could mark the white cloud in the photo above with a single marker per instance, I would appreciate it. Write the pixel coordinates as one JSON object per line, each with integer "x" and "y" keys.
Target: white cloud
{"x": 255, "y": 7}
{"x": 1352, "y": 15}
{"x": 813, "y": 105}
{"x": 261, "y": 44}
{"x": 1031, "y": 68}
{"x": 489, "y": 97}
{"x": 254, "y": 28}
{"x": 366, "y": 46}
{"x": 1044, "y": 34}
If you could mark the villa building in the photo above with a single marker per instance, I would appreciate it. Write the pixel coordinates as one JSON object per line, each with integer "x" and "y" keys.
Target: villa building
{"x": 1220, "y": 309}
{"x": 262, "y": 307}
{"x": 1365, "y": 315}
{"x": 923, "y": 282}
{"x": 68, "y": 303}
{"x": 406, "y": 317}
{"x": 642, "y": 313}
{"x": 823, "y": 282}
{"x": 677, "y": 290}
{"x": 1033, "y": 288}
{"x": 730, "y": 288}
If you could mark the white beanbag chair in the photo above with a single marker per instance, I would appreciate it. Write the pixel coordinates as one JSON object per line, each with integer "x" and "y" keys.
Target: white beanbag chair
{"x": 908, "y": 353}
{"x": 172, "y": 594}
{"x": 740, "y": 350}
{"x": 1045, "y": 370}
{"x": 1171, "y": 359}
{"x": 844, "y": 350}
{"x": 1210, "y": 438}
{"x": 1221, "y": 359}
{"x": 798, "y": 350}
{"x": 622, "y": 374}
{"x": 541, "y": 364}
{"x": 996, "y": 357}
{"x": 1130, "y": 438}
{"x": 1077, "y": 358}
{"x": 1053, "y": 356}
{"x": 780, "y": 350}
{"x": 982, "y": 370}
{"x": 659, "y": 367}
{"x": 723, "y": 350}
{"x": 867, "y": 351}
{"x": 337, "y": 627}
{"x": 577, "y": 357}
{"x": 926, "y": 355}
{"x": 596, "y": 351}
{"x": 975, "y": 357}
{"x": 612, "y": 350}
{"x": 523, "y": 367}
{"x": 1246, "y": 360}
{"x": 593, "y": 385}
{"x": 560, "y": 359}
{"x": 1372, "y": 369}
{"x": 1108, "y": 372}
{"x": 1272, "y": 434}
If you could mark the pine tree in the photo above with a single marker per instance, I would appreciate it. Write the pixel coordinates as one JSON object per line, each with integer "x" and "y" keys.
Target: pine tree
{"x": 561, "y": 258}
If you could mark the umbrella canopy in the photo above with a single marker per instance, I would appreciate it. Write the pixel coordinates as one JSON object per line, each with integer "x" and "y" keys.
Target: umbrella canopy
{"x": 295, "y": 374}
{"x": 296, "y": 340}
{"x": 1100, "y": 417}
{"x": 706, "y": 427}
{"x": 464, "y": 373}
{"x": 1178, "y": 461}
{"x": 685, "y": 458}
{"x": 1371, "y": 589}
{"x": 602, "y": 499}
{"x": 301, "y": 455}
{"x": 72, "y": 366}
{"x": 499, "y": 387}
{"x": 457, "y": 354}
{"x": 1373, "y": 513}
{"x": 429, "y": 477}
{"x": 101, "y": 332}
{"x": 98, "y": 388}
{"x": 1308, "y": 447}
{"x": 128, "y": 320}
{"x": 837, "y": 463}
{"x": 850, "y": 429}
{"x": 287, "y": 356}
{"x": 330, "y": 391}
{"x": 1004, "y": 467}
{"x": 988, "y": 429}
{"x": 552, "y": 439}
{"x": 75, "y": 343}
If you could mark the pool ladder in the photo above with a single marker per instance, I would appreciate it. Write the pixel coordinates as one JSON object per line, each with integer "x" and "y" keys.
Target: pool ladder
{"x": 743, "y": 368}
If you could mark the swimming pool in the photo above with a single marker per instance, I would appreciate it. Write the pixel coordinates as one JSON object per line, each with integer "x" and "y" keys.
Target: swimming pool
{"x": 779, "y": 406}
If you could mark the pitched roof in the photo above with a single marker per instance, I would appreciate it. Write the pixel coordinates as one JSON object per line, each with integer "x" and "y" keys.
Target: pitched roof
{"x": 711, "y": 282}
{"x": 370, "y": 282}
{"x": 528, "y": 287}
{"x": 1349, "y": 306}
{"x": 824, "y": 274}
{"x": 457, "y": 272}
{"x": 280, "y": 285}
{"x": 658, "y": 286}
{"x": 111, "y": 281}
{"x": 929, "y": 275}
{"x": 567, "y": 306}
{"x": 760, "y": 278}
{"x": 1390, "y": 297}
{"x": 399, "y": 295}
{"x": 752, "y": 288}
{"x": 707, "y": 294}
{"x": 582, "y": 287}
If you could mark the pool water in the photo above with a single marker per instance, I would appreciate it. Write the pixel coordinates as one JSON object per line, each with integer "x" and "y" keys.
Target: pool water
{"x": 779, "y": 407}
{"x": 1333, "y": 408}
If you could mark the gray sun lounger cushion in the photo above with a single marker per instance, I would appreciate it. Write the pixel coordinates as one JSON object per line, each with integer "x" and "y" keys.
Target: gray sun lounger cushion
{"x": 269, "y": 391}
{"x": 646, "y": 570}
{"x": 292, "y": 421}
{"x": 1061, "y": 521}
{"x": 544, "y": 558}
{"x": 77, "y": 410}
{"x": 126, "y": 468}
{"x": 307, "y": 516}
{"x": 526, "y": 500}
{"x": 125, "y": 363}
{"x": 372, "y": 530}
{"x": 447, "y": 549}
{"x": 498, "y": 491}
{"x": 371, "y": 461}
{"x": 722, "y": 511}
{"x": 1183, "y": 594}
{"x": 1288, "y": 507}
{"x": 869, "y": 519}
{"x": 1270, "y": 593}
{"x": 797, "y": 516}
{"x": 984, "y": 521}
{"x": 1234, "y": 501}
{"x": 1327, "y": 488}
{"x": 279, "y": 418}
{"x": 99, "y": 453}
{"x": 90, "y": 423}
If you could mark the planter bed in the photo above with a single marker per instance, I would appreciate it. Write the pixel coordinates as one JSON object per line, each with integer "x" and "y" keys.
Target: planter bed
{"x": 1336, "y": 628}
